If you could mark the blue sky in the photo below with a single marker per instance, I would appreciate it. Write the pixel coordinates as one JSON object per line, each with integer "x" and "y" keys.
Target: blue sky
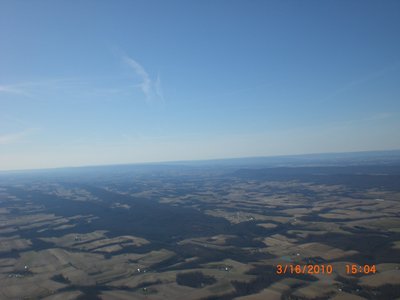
{"x": 104, "y": 82}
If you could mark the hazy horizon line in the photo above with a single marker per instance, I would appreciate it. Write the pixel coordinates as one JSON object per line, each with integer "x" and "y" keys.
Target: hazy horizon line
{"x": 201, "y": 160}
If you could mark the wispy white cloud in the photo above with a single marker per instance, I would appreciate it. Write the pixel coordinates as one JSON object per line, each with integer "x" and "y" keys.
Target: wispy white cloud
{"x": 41, "y": 87}
{"x": 363, "y": 80}
{"x": 14, "y": 137}
{"x": 13, "y": 89}
{"x": 151, "y": 88}
{"x": 158, "y": 88}
{"x": 104, "y": 88}
{"x": 141, "y": 72}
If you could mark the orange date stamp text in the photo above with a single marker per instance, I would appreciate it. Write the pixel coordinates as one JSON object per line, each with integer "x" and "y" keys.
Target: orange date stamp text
{"x": 304, "y": 269}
